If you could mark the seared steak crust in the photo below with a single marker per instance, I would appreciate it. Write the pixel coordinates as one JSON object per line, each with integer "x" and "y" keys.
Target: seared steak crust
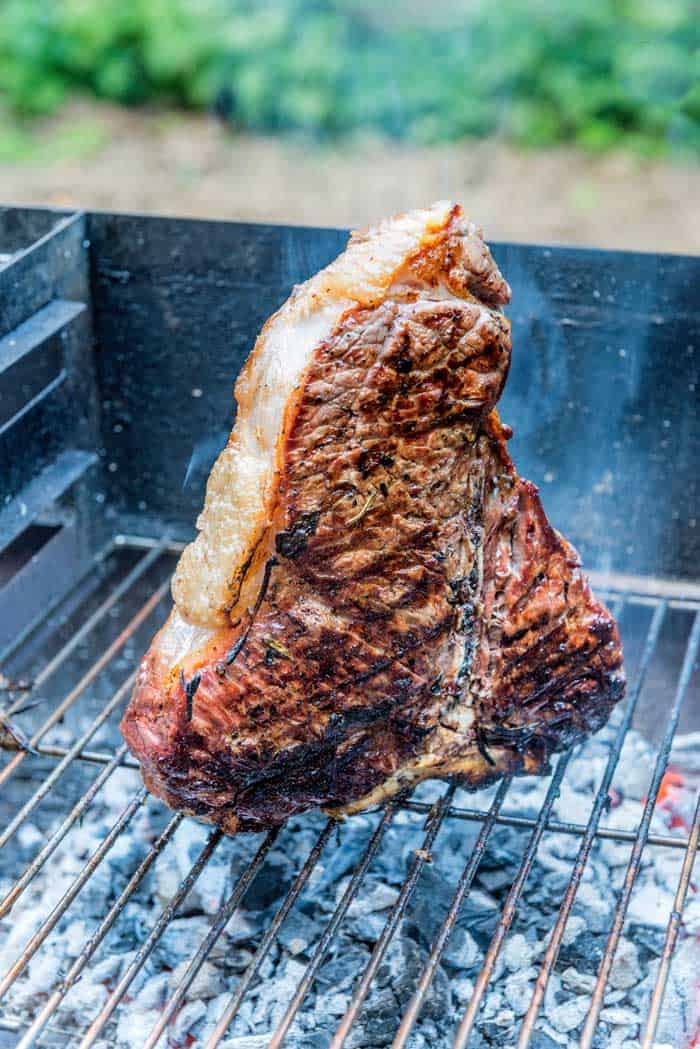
{"x": 415, "y": 614}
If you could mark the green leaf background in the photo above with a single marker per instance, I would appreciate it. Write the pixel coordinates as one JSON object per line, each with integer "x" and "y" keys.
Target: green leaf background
{"x": 597, "y": 73}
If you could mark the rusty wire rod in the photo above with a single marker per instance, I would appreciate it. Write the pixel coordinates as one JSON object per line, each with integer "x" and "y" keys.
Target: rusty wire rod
{"x": 46, "y": 784}
{"x": 148, "y": 944}
{"x": 219, "y": 922}
{"x": 552, "y": 952}
{"x": 70, "y": 894}
{"x": 91, "y": 945}
{"x": 234, "y": 1003}
{"x": 87, "y": 678}
{"x": 461, "y": 892}
{"x": 316, "y": 960}
{"x": 432, "y": 825}
{"x": 672, "y": 930}
{"x": 59, "y": 834}
{"x": 139, "y": 569}
{"x": 509, "y": 908}
{"x": 635, "y": 861}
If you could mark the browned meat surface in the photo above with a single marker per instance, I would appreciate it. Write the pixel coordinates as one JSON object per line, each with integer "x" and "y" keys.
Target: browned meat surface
{"x": 413, "y": 613}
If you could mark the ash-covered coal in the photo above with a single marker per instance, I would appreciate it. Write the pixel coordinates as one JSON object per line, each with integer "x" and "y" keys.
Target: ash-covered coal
{"x": 506, "y": 1001}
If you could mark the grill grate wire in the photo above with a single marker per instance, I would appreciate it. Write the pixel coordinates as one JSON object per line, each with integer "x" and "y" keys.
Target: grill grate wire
{"x": 436, "y": 815}
{"x": 635, "y": 861}
{"x": 552, "y": 950}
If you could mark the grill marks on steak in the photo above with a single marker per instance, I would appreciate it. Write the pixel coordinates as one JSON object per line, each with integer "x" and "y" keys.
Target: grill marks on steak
{"x": 550, "y": 656}
{"x": 391, "y": 496}
{"x": 360, "y": 618}
{"x": 418, "y": 615}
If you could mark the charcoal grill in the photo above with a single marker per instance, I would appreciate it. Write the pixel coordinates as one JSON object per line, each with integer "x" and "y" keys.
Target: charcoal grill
{"x": 120, "y": 337}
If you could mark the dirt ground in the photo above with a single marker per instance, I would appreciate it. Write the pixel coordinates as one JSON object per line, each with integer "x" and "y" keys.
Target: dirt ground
{"x": 103, "y": 157}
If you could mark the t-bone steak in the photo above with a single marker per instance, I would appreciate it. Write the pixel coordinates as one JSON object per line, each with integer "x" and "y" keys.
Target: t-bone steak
{"x": 374, "y": 597}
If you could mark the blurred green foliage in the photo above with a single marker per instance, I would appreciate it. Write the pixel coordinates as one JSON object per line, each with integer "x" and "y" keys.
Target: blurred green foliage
{"x": 599, "y": 73}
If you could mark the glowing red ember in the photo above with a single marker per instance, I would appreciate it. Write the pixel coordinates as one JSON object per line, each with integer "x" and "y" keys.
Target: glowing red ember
{"x": 668, "y": 799}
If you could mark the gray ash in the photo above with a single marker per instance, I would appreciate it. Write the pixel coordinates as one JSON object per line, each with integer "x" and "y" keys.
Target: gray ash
{"x": 508, "y": 995}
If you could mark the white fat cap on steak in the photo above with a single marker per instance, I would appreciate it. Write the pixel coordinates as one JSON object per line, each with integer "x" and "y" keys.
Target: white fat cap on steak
{"x": 219, "y": 572}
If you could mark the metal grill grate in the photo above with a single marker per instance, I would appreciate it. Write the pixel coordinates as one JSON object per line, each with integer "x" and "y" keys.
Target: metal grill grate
{"x": 149, "y": 573}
